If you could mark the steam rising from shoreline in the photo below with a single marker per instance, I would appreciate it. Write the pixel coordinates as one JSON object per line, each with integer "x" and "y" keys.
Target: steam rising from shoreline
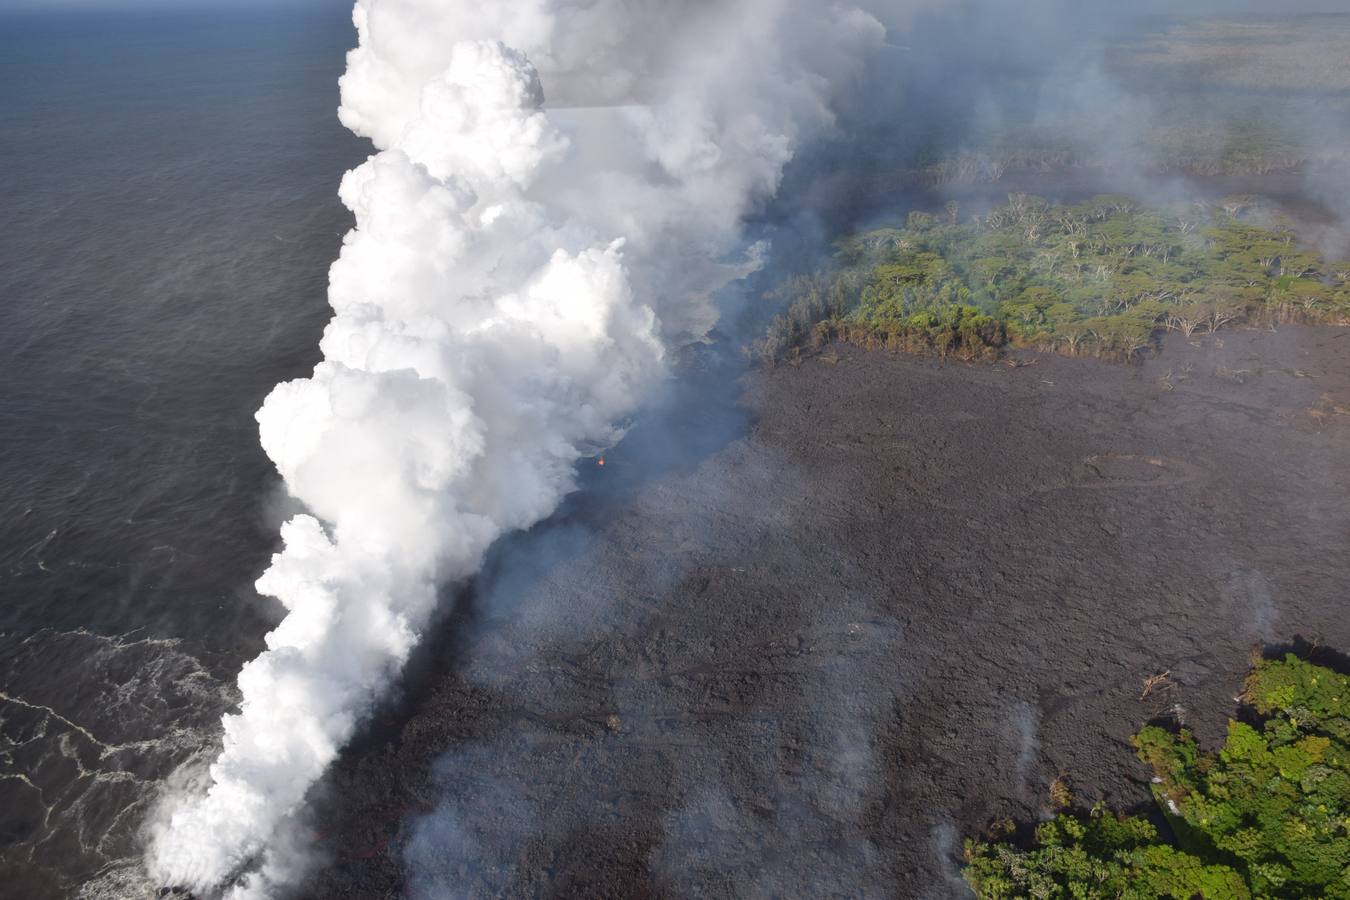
{"x": 501, "y": 308}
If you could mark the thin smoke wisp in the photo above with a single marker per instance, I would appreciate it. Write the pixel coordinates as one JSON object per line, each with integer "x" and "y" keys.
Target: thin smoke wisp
{"x": 501, "y": 307}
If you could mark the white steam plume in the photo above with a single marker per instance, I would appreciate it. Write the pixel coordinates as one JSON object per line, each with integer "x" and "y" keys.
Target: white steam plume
{"x": 500, "y": 309}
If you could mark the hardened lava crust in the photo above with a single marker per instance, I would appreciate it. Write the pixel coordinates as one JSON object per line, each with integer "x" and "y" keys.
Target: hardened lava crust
{"x": 892, "y": 602}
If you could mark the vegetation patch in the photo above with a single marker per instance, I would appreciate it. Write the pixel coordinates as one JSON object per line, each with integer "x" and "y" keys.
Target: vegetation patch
{"x": 1266, "y": 816}
{"x": 1104, "y": 277}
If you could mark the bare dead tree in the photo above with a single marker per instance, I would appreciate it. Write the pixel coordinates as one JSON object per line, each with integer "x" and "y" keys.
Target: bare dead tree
{"x": 1032, "y": 223}
{"x": 1049, "y": 260}
{"x": 1219, "y": 318}
{"x": 1157, "y": 683}
{"x": 1184, "y": 322}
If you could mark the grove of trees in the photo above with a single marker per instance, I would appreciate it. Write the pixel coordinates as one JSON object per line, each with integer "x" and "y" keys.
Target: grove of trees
{"x": 1105, "y": 277}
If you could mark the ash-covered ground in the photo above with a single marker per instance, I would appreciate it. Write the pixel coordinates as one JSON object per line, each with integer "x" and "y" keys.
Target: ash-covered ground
{"x": 891, "y": 601}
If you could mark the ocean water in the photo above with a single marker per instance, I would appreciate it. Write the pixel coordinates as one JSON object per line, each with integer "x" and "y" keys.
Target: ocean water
{"x": 168, "y": 212}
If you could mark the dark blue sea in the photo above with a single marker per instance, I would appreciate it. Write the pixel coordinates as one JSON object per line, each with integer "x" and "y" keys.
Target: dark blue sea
{"x": 168, "y": 212}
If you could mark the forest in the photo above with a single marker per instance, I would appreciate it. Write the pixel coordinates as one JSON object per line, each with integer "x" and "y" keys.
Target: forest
{"x": 1106, "y": 277}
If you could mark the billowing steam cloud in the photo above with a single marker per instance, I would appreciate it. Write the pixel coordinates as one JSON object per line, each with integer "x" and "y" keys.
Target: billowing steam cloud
{"x": 501, "y": 307}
